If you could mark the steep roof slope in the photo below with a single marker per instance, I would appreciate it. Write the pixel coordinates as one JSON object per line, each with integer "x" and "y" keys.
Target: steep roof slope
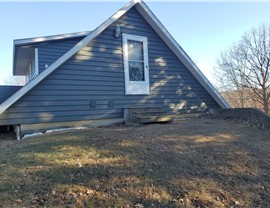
{"x": 157, "y": 26}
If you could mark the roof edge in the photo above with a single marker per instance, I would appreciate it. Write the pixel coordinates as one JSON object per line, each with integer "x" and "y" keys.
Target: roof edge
{"x": 180, "y": 53}
{"x": 26, "y": 41}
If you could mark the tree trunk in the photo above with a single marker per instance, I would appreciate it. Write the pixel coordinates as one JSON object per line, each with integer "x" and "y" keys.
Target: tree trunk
{"x": 266, "y": 106}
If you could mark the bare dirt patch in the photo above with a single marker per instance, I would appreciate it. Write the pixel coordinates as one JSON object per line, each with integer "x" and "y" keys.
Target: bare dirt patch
{"x": 190, "y": 163}
{"x": 7, "y": 139}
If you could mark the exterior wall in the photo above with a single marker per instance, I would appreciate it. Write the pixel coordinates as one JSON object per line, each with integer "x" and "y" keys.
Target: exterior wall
{"x": 49, "y": 52}
{"x": 91, "y": 84}
{"x": 6, "y": 91}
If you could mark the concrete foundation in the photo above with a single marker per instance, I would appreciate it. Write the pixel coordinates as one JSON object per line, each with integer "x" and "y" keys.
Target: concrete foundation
{"x": 43, "y": 127}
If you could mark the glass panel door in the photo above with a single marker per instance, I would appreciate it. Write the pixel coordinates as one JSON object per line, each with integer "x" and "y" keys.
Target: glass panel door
{"x": 136, "y": 64}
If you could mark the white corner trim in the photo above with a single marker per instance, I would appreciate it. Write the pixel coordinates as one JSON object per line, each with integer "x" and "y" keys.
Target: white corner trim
{"x": 36, "y": 61}
{"x": 16, "y": 96}
{"x": 50, "y": 38}
{"x": 180, "y": 53}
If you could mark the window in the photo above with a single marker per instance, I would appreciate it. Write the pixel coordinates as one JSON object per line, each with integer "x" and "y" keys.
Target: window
{"x": 135, "y": 60}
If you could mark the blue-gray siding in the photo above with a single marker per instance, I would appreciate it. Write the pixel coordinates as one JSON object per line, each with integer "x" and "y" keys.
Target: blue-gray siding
{"x": 6, "y": 91}
{"x": 96, "y": 74}
{"x": 49, "y": 52}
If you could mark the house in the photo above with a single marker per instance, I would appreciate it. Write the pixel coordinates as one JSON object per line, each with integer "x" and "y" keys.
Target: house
{"x": 129, "y": 61}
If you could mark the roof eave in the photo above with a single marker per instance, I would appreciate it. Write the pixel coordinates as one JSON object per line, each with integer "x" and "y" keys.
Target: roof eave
{"x": 28, "y": 41}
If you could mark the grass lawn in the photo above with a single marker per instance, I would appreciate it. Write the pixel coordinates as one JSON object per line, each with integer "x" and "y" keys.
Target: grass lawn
{"x": 190, "y": 163}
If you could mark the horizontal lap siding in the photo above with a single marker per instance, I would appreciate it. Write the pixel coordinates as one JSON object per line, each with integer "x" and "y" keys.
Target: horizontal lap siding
{"x": 96, "y": 74}
{"x": 6, "y": 91}
{"x": 49, "y": 52}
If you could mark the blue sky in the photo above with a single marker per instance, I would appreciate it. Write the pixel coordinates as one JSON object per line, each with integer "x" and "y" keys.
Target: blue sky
{"x": 203, "y": 29}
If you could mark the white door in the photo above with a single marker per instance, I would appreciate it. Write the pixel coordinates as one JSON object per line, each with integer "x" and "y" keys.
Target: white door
{"x": 136, "y": 65}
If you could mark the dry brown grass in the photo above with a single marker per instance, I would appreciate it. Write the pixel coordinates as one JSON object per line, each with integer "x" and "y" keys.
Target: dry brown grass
{"x": 191, "y": 163}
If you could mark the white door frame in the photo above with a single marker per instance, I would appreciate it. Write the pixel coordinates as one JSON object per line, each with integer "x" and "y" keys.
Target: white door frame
{"x": 136, "y": 87}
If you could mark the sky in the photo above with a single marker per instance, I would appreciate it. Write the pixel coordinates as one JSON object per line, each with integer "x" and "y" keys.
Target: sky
{"x": 203, "y": 29}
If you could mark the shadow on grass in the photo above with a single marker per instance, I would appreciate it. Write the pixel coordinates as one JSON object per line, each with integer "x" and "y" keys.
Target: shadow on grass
{"x": 191, "y": 163}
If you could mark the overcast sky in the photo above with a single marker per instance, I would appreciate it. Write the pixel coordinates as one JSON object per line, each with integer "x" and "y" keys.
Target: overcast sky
{"x": 203, "y": 29}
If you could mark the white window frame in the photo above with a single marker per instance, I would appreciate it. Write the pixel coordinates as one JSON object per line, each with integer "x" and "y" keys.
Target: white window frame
{"x": 136, "y": 87}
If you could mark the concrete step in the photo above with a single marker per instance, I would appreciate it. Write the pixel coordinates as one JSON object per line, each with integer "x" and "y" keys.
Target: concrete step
{"x": 138, "y": 115}
{"x": 147, "y": 110}
{"x": 155, "y": 119}
{"x": 146, "y": 116}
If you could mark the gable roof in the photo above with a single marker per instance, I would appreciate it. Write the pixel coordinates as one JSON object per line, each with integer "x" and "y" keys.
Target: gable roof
{"x": 157, "y": 26}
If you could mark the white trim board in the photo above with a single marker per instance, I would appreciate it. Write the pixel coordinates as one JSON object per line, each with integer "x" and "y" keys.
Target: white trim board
{"x": 50, "y": 38}
{"x": 36, "y": 60}
{"x": 158, "y": 27}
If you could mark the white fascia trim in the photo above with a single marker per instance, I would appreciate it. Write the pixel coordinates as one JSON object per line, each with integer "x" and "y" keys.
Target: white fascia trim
{"x": 13, "y": 59}
{"x": 50, "y": 38}
{"x": 16, "y": 96}
{"x": 180, "y": 53}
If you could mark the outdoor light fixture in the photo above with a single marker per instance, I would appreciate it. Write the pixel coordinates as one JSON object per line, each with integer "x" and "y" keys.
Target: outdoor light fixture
{"x": 117, "y": 31}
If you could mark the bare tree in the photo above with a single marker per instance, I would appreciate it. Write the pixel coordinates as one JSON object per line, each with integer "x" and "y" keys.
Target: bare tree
{"x": 15, "y": 80}
{"x": 244, "y": 68}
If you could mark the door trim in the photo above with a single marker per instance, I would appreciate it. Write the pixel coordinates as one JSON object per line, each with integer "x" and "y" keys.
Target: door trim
{"x": 136, "y": 87}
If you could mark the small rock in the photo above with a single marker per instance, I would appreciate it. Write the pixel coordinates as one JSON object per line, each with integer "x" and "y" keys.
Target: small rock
{"x": 237, "y": 203}
{"x": 154, "y": 164}
{"x": 115, "y": 194}
{"x": 138, "y": 206}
